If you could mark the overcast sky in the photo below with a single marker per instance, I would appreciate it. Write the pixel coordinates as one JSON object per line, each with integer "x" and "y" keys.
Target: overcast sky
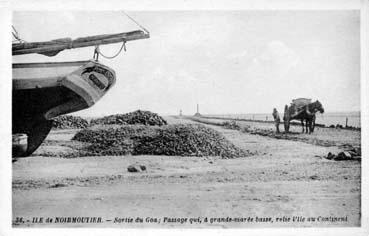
{"x": 227, "y": 61}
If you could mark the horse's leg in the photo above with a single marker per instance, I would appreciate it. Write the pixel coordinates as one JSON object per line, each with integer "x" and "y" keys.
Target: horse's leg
{"x": 308, "y": 126}
{"x": 302, "y": 124}
{"x": 313, "y": 124}
{"x": 286, "y": 126}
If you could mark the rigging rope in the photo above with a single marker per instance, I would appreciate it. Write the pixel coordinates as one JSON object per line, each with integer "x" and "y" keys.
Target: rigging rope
{"x": 97, "y": 50}
{"x": 16, "y": 36}
{"x": 136, "y": 22}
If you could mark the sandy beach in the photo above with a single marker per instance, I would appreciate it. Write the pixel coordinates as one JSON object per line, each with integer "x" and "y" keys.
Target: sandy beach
{"x": 284, "y": 183}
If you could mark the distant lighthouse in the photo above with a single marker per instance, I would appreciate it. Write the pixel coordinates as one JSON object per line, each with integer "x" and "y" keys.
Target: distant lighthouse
{"x": 197, "y": 111}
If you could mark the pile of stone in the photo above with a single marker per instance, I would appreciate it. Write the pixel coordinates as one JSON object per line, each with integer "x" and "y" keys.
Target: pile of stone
{"x": 69, "y": 122}
{"x": 353, "y": 154}
{"x": 170, "y": 140}
{"x": 136, "y": 117}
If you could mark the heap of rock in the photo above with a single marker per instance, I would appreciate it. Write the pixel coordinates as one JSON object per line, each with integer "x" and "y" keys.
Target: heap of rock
{"x": 136, "y": 117}
{"x": 170, "y": 140}
{"x": 353, "y": 154}
{"x": 69, "y": 122}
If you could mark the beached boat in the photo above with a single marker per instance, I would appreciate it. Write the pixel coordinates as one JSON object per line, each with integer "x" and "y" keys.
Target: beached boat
{"x": 42, "y": 91}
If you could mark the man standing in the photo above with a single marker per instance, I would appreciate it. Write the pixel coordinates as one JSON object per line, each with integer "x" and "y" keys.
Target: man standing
{"x": 277, "y": 119}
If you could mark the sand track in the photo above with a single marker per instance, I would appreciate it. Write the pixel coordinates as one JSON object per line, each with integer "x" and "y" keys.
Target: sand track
{"x": 326, "y": 137}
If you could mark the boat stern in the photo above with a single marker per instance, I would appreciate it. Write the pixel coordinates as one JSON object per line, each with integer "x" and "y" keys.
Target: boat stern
{"x": 89, "y": 83}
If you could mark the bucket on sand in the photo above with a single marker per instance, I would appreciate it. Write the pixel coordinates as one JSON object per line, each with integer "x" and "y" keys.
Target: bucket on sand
{"x": 19, "y": 144}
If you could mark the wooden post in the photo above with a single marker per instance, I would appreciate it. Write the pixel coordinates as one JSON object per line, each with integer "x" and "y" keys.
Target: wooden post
{"x": 346, "y": 121}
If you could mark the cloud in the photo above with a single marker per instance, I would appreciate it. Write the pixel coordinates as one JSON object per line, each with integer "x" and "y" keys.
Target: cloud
{"x": 277, "y": 59}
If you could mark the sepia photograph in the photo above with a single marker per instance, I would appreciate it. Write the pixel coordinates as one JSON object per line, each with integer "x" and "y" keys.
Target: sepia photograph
{"x": 174, "y": 119}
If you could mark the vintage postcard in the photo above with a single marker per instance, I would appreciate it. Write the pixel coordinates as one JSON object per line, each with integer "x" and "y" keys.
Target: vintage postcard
{"x": 188, "y": 118}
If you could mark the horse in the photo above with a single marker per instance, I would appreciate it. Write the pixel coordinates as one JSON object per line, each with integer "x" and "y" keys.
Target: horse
{"x": 307, "y": 114}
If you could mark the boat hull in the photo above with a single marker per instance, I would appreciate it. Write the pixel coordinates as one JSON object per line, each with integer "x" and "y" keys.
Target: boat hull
{"x": 42, "y": 91}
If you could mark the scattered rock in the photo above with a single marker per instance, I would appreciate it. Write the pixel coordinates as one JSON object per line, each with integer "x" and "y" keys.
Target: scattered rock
{"x": 330, "y": 156}
{"x": 134, "y": 168}
{"x": 314, "y": 177}
{"x": 353, "y": 154}
{"x": 341, "y": 157}
{"x": 347, "y": 155}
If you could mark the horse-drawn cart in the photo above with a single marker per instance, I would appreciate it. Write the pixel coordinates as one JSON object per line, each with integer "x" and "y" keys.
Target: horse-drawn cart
{"x": 304, "y": 110}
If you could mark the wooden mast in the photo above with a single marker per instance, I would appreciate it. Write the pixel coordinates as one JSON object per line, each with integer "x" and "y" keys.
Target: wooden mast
{"x": 51, "y": 48}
